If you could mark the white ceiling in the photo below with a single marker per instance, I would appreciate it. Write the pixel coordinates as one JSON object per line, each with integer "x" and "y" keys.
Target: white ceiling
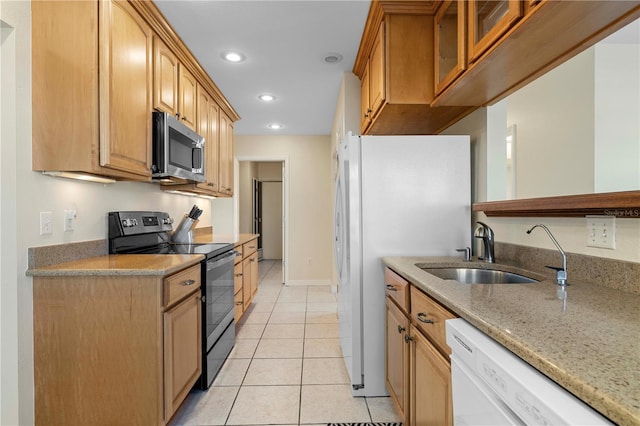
{"x": 285, "y": 43}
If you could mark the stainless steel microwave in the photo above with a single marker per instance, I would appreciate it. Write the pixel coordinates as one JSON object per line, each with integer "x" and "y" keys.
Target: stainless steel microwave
{"x": 178, "y": 151}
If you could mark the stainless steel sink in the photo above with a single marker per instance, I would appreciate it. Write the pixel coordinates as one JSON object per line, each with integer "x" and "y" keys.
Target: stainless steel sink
{"x": 479, "y": 276}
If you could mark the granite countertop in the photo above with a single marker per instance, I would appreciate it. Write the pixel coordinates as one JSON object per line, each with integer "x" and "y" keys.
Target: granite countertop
{"x": 587, "y": 339}
{"x": 207, "y": 237}
{"x": 120, "y": 264}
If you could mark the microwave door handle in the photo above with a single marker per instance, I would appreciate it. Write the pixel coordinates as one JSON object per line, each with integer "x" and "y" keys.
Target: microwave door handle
{"x": 196, "y": 158}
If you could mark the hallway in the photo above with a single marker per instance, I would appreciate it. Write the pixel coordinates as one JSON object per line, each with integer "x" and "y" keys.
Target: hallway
{"x": 286, "y": 367}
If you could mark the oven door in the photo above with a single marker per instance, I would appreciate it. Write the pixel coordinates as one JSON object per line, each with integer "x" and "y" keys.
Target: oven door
{"x": 218, "y": 296}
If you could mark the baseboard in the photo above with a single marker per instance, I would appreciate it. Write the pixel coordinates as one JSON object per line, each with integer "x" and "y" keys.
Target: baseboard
{"x": 308, "y": 282}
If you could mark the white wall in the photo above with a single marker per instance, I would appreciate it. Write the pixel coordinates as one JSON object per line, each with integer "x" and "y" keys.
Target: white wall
{"x": 23, "y": 194}
{"x": 617, "y": 106}
{"x": 309, "y": 239}
{"x": 571, "y": 233}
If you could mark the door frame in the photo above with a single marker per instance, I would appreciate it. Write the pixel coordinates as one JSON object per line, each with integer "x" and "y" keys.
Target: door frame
{"x": 285, "y": 201}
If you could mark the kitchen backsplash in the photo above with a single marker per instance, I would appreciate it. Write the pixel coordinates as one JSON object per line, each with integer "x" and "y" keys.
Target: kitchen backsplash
{"x": 50, "y": 255}
{"x": 617, "y": 274}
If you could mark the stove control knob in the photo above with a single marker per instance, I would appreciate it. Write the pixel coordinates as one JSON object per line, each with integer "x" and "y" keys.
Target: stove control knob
{"x": 128, "y": 223}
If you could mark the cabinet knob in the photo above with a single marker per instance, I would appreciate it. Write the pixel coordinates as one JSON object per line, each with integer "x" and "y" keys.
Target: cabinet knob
{"x": 401, "y": 329}
{"x": 407, "y": 338}
{"x": 422, "y": 317}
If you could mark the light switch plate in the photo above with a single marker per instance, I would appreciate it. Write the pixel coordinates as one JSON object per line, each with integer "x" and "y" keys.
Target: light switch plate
{"x": 601, "y": 232}
{"x": 46, "y": 223}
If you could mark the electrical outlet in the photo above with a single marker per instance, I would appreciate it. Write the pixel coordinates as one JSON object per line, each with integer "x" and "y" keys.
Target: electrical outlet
{"x": 601, "y": 232}
{"x": 46, "y": 223}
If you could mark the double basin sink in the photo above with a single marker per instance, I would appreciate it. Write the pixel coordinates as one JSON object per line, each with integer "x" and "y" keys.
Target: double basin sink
{"x": 476, "y": 275}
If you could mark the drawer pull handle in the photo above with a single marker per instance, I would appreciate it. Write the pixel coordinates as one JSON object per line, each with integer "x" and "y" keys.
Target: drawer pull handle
{"x": 422, "y": 317}
{"x": 391, "y": 288}
{"x": 401, "y": 329}
{"x": 407, "y": 338}
{"x": 188, "y": 282}
{"x": 239, "y": 303}
{"x": 238, "y": 275}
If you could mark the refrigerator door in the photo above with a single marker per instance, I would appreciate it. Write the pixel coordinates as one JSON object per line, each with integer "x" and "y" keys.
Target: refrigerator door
{"x": 349, "y": 288}
{"x": 404, "y": 196}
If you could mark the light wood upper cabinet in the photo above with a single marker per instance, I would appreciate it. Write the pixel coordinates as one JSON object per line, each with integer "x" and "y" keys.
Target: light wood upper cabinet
{"x": 165, "y": 78}
{"x": 450, "y": 58}
{"x": 520, "y": 41}
{"x": 226, "y": 155}
{"x": 396, "y": 57}
{"x": 126, "y": 77}
{"x": 207, "y": 126}
{"x": 187, "y": 92}
{"x": 91, "y": 89}
{"x": 99, "y": 68}
{"x": 488, "y": 21}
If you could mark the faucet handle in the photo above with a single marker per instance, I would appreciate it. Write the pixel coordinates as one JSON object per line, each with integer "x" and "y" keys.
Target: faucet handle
{"x": 561, "y": 274}
{"x": 467, "y": 253}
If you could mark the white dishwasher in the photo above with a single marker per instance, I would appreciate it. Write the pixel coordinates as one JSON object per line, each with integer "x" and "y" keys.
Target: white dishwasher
{"x": 492, "y": 386}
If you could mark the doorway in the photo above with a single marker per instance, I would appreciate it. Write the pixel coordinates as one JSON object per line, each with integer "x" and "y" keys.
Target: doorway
{"x": 261, "y": 207}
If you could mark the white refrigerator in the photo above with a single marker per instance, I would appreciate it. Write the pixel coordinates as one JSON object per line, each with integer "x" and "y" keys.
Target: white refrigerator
{"x": 395, "y": 196}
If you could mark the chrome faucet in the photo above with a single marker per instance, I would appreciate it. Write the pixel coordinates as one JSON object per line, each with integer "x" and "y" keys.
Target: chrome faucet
{"x": 561, "y": 273}
{"x": 485, "y": 233}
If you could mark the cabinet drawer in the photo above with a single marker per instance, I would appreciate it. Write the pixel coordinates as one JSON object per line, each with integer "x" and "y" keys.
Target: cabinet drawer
{"x": 397, "y": 288}
{"x": 181, "y": 284}
{"x": 239, "y": 253}
{"x": 249, "y": 247}
{"x": 429, "y": 317}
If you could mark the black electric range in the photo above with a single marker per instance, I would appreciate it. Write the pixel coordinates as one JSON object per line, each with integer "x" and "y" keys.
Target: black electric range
{"x": 147, "y": 232}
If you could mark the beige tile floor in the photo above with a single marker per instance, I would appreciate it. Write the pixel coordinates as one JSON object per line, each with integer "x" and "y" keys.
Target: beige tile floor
{"x": 286, "y": 366}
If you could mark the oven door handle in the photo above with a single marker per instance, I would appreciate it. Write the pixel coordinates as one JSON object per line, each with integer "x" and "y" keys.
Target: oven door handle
{"x": 221, "y": 260}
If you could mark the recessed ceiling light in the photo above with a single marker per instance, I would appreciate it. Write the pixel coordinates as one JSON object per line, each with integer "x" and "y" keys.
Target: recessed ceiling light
{"x": 266, "y": 97}
{"x": 233, "y": 56}
{"x": 275, "y": 126}
{"x": 333, "y": 58}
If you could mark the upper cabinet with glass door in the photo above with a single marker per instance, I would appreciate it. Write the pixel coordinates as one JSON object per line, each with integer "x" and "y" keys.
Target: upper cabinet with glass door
{"x": 488, "y": 21}
{"x": 450, "y": 58}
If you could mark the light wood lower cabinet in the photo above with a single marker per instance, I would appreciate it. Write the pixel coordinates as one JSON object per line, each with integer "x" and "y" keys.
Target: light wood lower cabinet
{"x": 115, "y": 349}
{"x": 182, "y": 354}
{"x": 418, "y": 371}
{"x": 430, "y": 401}
{"x": 397, "y": 364}
{"x": 246, "y": 275}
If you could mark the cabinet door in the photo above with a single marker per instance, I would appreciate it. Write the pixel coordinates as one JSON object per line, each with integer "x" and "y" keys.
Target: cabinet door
{"x": 254, "y": 273}
{"x": 182, "y": 351}
{"x": 125, "y": 89}
{"x": 246, "y": 282}
{"x": 431, "y": 398}
{"x": 397, "y": 363}
{"x": 187, "y": 92}
{"x": 203, "y": 129}
{"x": 212, "y": 148}
{"x": 226, "y": 155}
{"x": 365, "y": 105}
{"x": 376, "y": 73}
{"x": 165, "y": 78}
{"x": 488, "y": 21}
{"x": 449, "y": 43}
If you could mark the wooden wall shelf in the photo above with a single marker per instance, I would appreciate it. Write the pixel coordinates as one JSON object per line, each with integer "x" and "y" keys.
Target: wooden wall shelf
{"x": 620, "y": 204}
